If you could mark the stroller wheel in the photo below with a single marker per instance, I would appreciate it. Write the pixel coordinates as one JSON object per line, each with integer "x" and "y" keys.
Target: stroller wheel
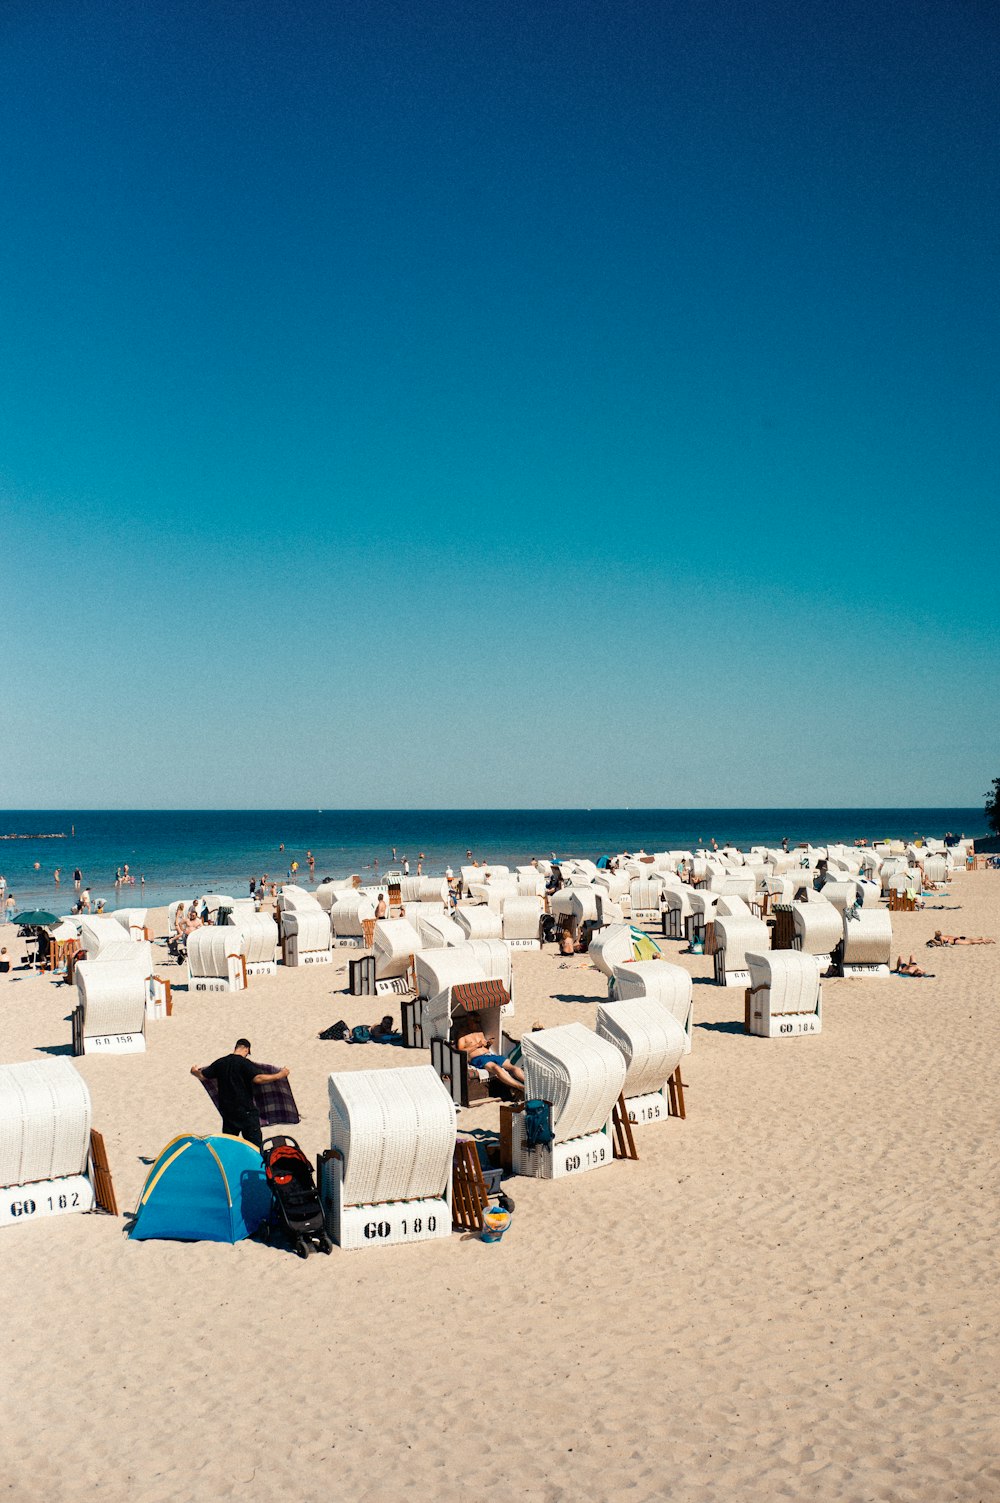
{"x": 325, "y": 1245}
{"x": 302, "y": 1247}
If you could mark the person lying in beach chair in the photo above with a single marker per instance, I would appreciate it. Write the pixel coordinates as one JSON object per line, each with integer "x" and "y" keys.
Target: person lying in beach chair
{"x": 477, "y": 1045}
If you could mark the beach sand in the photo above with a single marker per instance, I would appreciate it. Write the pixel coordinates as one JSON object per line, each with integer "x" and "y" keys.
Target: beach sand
{"x": 792, "y": 1295}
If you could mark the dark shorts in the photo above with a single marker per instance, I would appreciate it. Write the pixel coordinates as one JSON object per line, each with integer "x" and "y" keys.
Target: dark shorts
{"x": 247, "y": 1126}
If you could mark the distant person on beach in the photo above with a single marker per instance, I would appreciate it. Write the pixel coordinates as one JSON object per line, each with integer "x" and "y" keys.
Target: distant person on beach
{"x": 406, "y": 867}
{"x": 9, "y": 907}
{"x": 3, "y": 887}
{"x": 380, "y": 908}
{"x": 312, "y": 864}
{"x": 253, "y": 885}
{"x": 55, "y": 875}
{"x": 910, "y": 968}
{"x": 784, "y": 843}
{"x": 85, "y": 900}
{"x": 281, "y": 846}
{"x": 235, "y": 1078}
{"x": 957, "y": 939}
{"x": 4, "y": 960}
{"x": 77, "y": 878}
{"x": 420, "y": 868}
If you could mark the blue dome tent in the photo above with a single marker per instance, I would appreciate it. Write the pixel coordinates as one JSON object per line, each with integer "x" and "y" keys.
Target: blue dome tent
{"x": 210, "y": 1189}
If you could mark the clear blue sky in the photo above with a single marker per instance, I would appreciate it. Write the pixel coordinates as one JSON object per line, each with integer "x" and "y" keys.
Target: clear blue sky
{"x": 499, "y": 404}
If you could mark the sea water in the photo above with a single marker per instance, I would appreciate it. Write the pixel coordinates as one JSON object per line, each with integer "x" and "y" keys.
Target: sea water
{"x": 178, "y": 853}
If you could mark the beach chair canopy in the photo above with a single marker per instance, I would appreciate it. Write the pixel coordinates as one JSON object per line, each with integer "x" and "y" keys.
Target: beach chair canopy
{"x": 210, "y": 947}
{"x": 521, "y": 918}
{"x": 394, "y": 941}
{"x": 580, "y": 1074}
{"x": 98, "y": 930}
{"x": 135, "y": 953}
{"x": 649, "y": 1039}
{"x": 438, "y": 969}
{"x": 260, "y": 935}
{"x": 493, "y": 956}
{"x": 396, "y": 1132}
{"x": 130, "y": 918}
{"x": 437, "y": 931}
{"x": 479, "y": 923}
{"x": 113, "y": 997}
{"x": 44, "y": 1121}
{"x": 210, "y": 1189}
{"x": 310, "y": 926}
{"x": 818, "y": 928}
{"x": 867, "y": 937}
{"x": 293, "y": 899}
{"x": 348, "y": 912}
{"x": 793, "y": 979}
{"x": 618, "y": 944}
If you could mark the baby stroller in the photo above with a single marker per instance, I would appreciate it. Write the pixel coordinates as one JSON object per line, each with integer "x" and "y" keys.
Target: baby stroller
{"x": 295, "y": 1200}
{"x": 176, "y": 949}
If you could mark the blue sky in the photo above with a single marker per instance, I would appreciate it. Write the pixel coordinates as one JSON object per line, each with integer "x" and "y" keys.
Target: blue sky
{"x": 508, "y": 404}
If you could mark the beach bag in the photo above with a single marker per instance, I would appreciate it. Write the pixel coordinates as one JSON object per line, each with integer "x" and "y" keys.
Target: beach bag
{"x": 537, "y": 1124}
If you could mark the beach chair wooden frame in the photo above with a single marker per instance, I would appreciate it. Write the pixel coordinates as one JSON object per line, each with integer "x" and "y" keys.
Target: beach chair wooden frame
{"x": 100, "y": 1175}
{"x": 623, "y": 1140}
{"x": 469, "y": 1195}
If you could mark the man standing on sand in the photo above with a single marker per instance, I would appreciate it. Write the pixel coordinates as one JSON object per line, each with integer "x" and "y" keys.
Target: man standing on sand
{"x": 235, "y": 1078}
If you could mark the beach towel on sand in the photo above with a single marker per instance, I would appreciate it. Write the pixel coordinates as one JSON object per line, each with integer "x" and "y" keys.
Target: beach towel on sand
{"x": 273, "y": 1099}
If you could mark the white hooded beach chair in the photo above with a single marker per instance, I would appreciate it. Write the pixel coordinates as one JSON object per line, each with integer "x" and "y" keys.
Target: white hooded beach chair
{"x": 784, "y": 997}
{"x": 842, "y": 895}
{"x": 867, "y": 943}
{"x": 935, "y": 868}
{"x": 644, "y": 897}
{"x": 670, "y": 985}
{"x": 110, "y": 1015}
{"x": 45, "y": 1141}
{"x": 530, "y": 882}
{"x": 216, "y": 957}
{"x": 435, "y": 971}
{"x": 437, "y": 931}
{"x": 260, "y": 941}
{"x": 97, "y": 931}
{"x": 395, "y": 942}
{"x": 522, "y": 919}
{"x": 817, "y": 929}
{"x": 306, "y": 937}
{"x": 702, "y": 905}
{"x": 133, "y": 921}
{"x": 387, "y": 1176}
{"x": 733, "y": 938}
{"x": 327, "y": 891}
{"x": 479, "y": 923}
{"x": 610, "y": 947}
{"x": 678, "y": 909}
{"x": 466, "y": 1007}
{"x": 652, "y": 1044}
{"x": 581, "y": 1077}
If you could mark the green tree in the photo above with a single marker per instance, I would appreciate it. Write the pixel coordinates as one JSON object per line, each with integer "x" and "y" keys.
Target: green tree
{"x": 993, "y": 807}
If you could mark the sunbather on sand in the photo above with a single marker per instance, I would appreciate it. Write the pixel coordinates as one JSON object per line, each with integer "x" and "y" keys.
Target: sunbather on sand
{"x": 958, "y": 939}
{"x": 477, "y": 1047}
{"x": 910, "y": 967}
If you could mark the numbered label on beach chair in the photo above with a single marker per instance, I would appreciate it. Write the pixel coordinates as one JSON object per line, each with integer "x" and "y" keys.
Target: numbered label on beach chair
{"x": 114, "y": 1043}
{"x": 47, "y": 1197}
{"x": 316, "y": 957}
{"x": 391, "y": 1224}
{"x": 788, "y": 1025}
{"x": 642, "y": 1109}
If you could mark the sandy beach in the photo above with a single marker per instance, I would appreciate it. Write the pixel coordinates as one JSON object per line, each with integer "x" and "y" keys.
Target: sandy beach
{"x": 792, "y": 1294}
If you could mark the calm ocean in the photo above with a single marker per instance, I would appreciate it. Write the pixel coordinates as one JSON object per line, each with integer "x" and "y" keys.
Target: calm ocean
{"x": 185, "y": 852}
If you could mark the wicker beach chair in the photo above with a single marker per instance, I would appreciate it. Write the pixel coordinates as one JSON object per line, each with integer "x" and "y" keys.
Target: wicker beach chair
{"x": 387, "y": 1176}
{"x": 580, "y": 1076}
{"x": 784, "y": 997}
{"x": 652, "y": 1043}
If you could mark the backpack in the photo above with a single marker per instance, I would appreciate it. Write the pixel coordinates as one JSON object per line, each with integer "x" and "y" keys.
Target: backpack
{"x": 537, "y": 1124}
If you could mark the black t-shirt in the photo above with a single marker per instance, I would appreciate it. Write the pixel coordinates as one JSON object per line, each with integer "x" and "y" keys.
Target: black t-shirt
{"x": 233, "y": 1074}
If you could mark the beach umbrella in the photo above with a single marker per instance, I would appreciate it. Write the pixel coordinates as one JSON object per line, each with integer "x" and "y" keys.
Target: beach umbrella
{"x": 37, "y": 918}
{"x": 644, "y": 947}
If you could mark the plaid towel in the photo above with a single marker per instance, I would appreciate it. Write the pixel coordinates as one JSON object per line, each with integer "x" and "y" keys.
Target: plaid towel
{"x": 273, "y": 1098}
{"x": 471, "y": 996}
